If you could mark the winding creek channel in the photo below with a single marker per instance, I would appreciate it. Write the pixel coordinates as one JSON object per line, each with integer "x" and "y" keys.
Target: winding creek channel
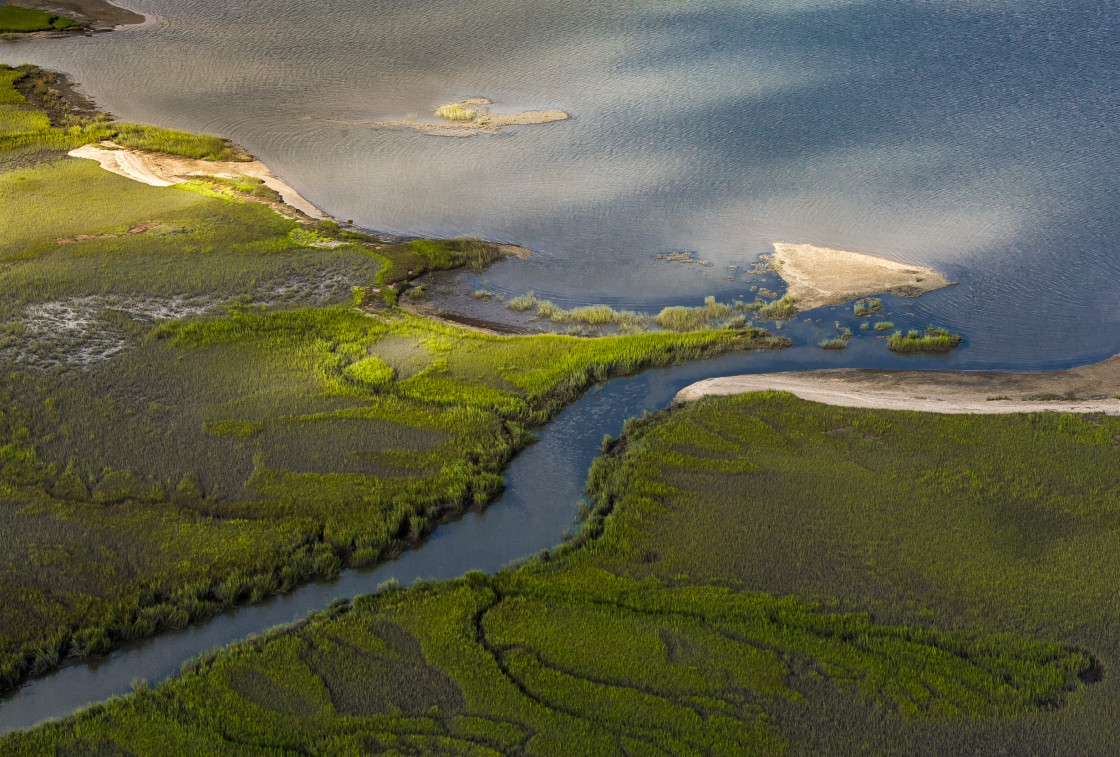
{"x": 544, "y": 487}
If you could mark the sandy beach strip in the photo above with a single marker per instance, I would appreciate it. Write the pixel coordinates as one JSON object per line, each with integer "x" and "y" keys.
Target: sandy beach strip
{"x": 1087, "y": 389}
{"x": 162, "y": 170}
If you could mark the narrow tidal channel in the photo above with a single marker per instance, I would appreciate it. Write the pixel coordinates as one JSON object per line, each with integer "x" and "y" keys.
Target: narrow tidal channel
{"x": 544, "y": 485}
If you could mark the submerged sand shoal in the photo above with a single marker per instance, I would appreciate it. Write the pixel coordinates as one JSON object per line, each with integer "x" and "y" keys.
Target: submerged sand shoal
{"x": 481, "y": 120}
{"x": 819, "y": 276}
{"x": 162, "y": 170}
{"x": 1087, "y": 389}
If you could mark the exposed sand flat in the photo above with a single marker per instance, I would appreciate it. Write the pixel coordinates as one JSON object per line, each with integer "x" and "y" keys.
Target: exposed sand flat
{"x": 162, "y": 170}
{"x": 819, "y": 276}
{"x": 1088, "y": 389}
{"x": 477, "y": 119}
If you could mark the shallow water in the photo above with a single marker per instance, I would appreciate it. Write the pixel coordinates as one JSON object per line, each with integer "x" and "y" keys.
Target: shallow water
{"x": 977, "y": 137}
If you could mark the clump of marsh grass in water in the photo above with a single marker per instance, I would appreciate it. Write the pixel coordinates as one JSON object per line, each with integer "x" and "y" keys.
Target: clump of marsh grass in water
{"x": 933, "y": 339}
{"x": 525, "y": 302}
{"x": 456, "y": 112}
{"x": 840, "y": 341}
{"x": 482, "y": 294}
{"x": 884, "y": 326}
{"x": 779, "y": 310}
{"x": 710, "y": 315}
{"x": 867, "y": 306}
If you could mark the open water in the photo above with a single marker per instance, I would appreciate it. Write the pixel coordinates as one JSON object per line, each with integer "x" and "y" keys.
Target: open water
{"x": 976, "y": 136}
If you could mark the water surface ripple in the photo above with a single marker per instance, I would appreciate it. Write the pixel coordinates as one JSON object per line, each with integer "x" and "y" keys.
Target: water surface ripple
{"x": 977, "y": 137}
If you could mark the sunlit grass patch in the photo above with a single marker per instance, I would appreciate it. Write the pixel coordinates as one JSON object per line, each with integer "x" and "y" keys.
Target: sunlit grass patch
{"x": 22, "y": 20}
{"x": 932, "y": 339}
{"x": 456, "y": 112}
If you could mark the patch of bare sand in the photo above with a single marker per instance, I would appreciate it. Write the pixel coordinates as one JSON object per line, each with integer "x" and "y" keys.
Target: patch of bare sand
{"x": 162, "y": 170}
{"x": 480, "y": 119}
{"x": 819, "y": 276}
{"x": 1087, "y": 389}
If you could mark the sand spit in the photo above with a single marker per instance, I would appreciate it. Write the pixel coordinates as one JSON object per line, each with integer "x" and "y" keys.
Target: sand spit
{"x": 1088, "y": 389}
{"x": 471, "y": 116}
{"x": 819, "y": 276}
{"x": 162, "y": 170}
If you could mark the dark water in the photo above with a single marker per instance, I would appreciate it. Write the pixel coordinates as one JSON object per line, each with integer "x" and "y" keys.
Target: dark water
{"x": 978, "y": 137}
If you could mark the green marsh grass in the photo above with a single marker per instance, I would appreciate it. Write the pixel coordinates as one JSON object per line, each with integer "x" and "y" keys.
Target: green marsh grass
{"x": 23, "y": 20}
{"x": 456, "y": 112}
{"x": 779, "y": 310}
{"x": 867, "y": 306}
{"x": 932, "y": 339}
{"x": 674, "y": 622}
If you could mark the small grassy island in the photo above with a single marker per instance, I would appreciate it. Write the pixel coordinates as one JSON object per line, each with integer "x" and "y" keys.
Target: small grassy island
{"x": 933, "y": 339}
{"x": 210, "y": 397}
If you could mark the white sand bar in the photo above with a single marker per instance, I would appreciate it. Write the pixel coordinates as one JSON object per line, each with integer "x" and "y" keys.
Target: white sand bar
{"x": 1088, "y": 389}
{"x": 819, "y": 276}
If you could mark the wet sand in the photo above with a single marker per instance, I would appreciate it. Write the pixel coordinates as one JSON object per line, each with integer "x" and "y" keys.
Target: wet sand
{"x": 1087, "y": 389}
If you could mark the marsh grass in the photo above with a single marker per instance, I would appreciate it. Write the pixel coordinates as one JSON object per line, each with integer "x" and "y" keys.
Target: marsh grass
{"x": 624, "y": 633}
{"x": 22, "y": 20}
{"x": 867, "y": 306}
{"x": 779, "y": 310}
{"x": 931, "y": 340}
{"x": 884, "y": 326}
{"x": 266, "y": 436}
{"x": 456, "y": 112}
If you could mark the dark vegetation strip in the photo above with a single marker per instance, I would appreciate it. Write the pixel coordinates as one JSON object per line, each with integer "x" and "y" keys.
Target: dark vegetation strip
{"x": 639, "y": 636}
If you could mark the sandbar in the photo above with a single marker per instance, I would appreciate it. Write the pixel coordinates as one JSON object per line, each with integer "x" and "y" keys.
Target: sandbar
{"x": 163, "y": 170}
{"x": 480, "y": 120}
{"x": 819, "y": 276}
{"x": 1086, "y": 389}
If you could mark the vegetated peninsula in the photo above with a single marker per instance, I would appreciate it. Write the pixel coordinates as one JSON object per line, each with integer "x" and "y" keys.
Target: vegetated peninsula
{"x": 206, "y": 401}
{"x": 19, "y": 18}
{"x": 819, "y": 276}
{"x": 472, "y": 116}
{"x": 727, "y": 597}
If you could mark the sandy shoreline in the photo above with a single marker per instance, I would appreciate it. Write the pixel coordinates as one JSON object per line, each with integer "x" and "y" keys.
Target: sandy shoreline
{"x": 1087, "y": 389}
{"x": 162, "y": 170}
{"x": 819, "y": 276}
